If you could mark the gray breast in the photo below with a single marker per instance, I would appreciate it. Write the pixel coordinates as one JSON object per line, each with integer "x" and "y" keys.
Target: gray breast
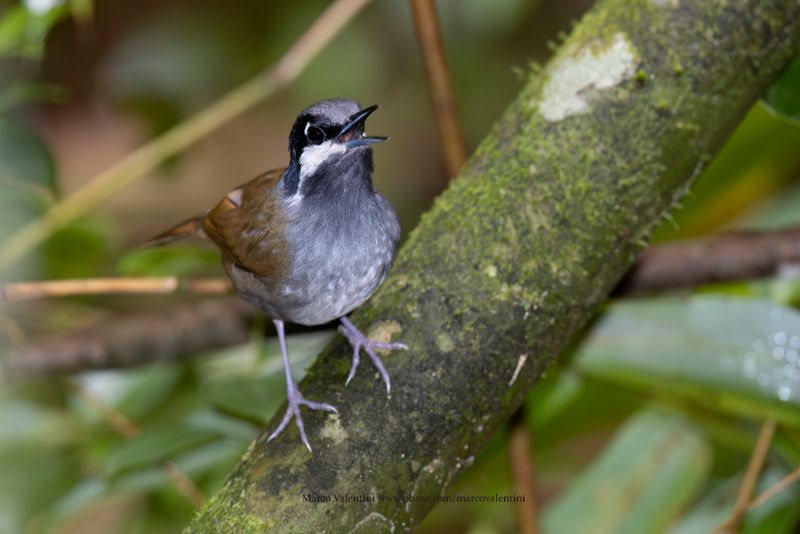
{"x": 338, "y": 258}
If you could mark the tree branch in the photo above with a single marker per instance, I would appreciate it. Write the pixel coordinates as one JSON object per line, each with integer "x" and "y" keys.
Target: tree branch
{"x": 513, "y": 258}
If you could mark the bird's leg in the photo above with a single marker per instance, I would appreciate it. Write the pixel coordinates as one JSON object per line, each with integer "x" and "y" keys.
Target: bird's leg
{"x": 359, "y": 340}
{"x": 294, "y": 398}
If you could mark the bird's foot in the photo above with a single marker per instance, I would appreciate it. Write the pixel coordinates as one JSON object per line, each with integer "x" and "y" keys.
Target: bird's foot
{"x": 295, "y": 399}
{"x": 359, "y": 340}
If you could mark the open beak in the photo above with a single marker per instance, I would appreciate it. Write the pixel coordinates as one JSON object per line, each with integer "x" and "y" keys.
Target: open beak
{"x": 349, "y": 134}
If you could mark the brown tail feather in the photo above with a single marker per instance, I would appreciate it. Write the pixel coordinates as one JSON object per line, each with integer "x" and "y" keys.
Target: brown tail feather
{"x": 188, "y": 228}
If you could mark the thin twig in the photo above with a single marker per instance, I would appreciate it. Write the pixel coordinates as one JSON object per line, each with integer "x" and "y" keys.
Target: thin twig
{"x": 440, "y": 87}
{"x": 107, "y": 286}
{"x": 776, "y": 488}
{"x": 754, "y": 467}
{"x": 128, "y": 429}
{"x": 149, "y": 156}
{"x": 522, "y": 472}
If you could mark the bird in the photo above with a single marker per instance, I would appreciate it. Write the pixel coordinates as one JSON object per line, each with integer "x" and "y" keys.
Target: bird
{"x": 311, "y": 242}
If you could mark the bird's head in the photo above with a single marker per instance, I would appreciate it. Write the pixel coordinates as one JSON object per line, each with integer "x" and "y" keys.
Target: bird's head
{"x": 329, "y": 135}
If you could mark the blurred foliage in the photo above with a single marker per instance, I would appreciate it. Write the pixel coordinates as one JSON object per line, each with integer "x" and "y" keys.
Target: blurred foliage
{"x": 646, "y": 427}
{"x": 783, "y": 98}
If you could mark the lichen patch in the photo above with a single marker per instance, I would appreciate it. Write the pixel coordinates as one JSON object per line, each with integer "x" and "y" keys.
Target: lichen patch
{"x": 575, "y": 72}
{"x": 333, "y": 429}
{"x": 444, "y": 342}
{"x": 384, "y": 331}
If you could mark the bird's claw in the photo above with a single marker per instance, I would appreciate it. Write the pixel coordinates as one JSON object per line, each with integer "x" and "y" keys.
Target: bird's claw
{"x": 295, "y": 399}
{"x": 359, "y": 340}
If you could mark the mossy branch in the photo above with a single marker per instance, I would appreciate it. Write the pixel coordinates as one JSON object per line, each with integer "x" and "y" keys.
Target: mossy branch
{"x": 512, "y": 260}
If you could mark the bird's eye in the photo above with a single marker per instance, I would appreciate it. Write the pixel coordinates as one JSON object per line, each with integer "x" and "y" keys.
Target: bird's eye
{"x": 314, "y": 134}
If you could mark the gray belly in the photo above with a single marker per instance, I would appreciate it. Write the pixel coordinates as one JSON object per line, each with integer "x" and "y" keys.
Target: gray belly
{"x": 331, "y": 274}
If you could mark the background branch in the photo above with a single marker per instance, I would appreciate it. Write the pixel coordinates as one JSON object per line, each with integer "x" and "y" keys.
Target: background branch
{"x": 727, "y": 257}
{"x": 168, "y": 335}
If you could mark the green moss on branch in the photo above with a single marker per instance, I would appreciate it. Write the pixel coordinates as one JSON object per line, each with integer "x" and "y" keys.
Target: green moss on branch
{"x": 513, "y": 258}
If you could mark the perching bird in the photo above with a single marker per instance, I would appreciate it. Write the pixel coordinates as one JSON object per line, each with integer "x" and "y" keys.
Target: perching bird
{"x": 309, "y": 243}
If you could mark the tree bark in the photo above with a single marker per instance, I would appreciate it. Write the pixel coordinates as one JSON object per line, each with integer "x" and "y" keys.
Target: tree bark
{"x": 512, "y": 260}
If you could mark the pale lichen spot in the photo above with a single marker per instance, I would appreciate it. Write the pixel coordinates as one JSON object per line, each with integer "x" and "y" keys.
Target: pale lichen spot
{"x": 384, "y": 331}
{"x": 490, "y": 271}
{"x": 333, "y": 429}
{"x": 589, "y": 67}
{"x": 666, "y": 3}
{"x": 444, "y": 342}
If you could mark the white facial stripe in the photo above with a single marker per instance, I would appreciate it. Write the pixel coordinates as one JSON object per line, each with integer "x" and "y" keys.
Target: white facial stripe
{"x": 315, "y": 155}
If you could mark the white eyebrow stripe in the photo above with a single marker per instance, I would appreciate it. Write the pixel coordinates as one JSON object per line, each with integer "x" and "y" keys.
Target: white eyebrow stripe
{"x": 315, "y": 155}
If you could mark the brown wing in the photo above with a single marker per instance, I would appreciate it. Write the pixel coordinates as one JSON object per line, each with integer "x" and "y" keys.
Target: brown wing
{"x": 248, "y": 225}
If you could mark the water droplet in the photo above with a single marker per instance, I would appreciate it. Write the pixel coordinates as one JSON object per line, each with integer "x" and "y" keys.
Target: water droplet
{"x": 785, "y": 392}
{"x": 780, "y": 338}
{"x": 778, "y": 353}
{"x": 794, "y": 342}
{"x": 791, "y": 356}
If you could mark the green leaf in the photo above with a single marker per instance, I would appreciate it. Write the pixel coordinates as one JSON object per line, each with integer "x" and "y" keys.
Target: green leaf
{"x": 734, "y": 354}
{"x": 654, "y": 465}
{"x": 247, "y": 361}
{"x": 552, "y": 396}
{"x": 170, "y": 261}
{"x": 24, "y": 423}
{"x": 18, "y": 205}
{"x": 155, "y": 445}
{"x": 12, "y": 28}
{"x": 32, "y": 478}
{"x": 783, "y": 98}
{"x": 195, "y": 462}
{"x": 223, "y": 425}
{"x": 80, "y": 249}
{"x": 24, "y": 158}
{"x": 148, "y": 389}
{"x": 253, "y": 400}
